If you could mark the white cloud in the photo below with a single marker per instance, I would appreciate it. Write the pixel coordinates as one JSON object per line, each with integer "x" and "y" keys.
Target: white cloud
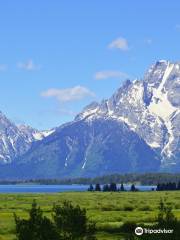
{"x": 110, "y": 74}
{"x": 119, "y": 43}
{"x": 28, "y": 66}
{"x": 3, "y": 67}
{"x": 68, "y": 94}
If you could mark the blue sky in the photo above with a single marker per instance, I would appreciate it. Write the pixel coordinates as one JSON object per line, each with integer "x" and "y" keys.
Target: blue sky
{"x": 57, "y": 56}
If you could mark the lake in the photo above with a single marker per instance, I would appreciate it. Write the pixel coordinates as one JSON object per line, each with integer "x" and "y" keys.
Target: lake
{"x": 22, "y": 188}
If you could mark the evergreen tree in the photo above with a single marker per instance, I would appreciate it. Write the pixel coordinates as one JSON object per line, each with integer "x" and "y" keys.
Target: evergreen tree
{"x": 173, "y": 186}
{"x": 122, "y": 187}
{"x": 178, "y": 186}
{"x": 106, "y": 188}
{"x": 91, "y": 188}
{"x": 98, "y": 187}
{"x": 113, "y": 187}
{"x": 158, "y": 188}
{"x": 133, "y": 188}
{"x": 166, "y": 217}
{"x": 37, "y": 227}
{"x": 167, "y": 186}
{"x": 72, "y": 222}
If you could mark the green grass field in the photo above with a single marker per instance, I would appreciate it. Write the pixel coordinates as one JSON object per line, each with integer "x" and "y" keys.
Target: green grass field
{"x": 108, "y": 210}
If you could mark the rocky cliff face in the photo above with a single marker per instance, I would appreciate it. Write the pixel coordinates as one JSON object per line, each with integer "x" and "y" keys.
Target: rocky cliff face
{"x": 88, "y": 148}
{"x": 16, "y": 140}
{"x": 150, "y": 107}
{"x": 135, "y": 130}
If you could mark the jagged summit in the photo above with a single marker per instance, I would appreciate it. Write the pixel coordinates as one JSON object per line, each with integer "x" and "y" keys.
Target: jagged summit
{"x": 150, "y": 107}
{"x": 137, "y": 129}
{"x": 16, "y": 140}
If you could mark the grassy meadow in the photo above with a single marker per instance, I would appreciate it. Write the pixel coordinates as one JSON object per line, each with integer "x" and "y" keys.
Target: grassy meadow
{"x": 108, "y": 210}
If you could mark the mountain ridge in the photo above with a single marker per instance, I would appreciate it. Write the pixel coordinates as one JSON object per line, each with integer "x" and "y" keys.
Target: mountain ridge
{"x": 15, "y": 140}
{"x": 144, "y": 114}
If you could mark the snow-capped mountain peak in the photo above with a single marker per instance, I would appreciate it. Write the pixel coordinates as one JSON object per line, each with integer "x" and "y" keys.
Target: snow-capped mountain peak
{"x": 160, "y": 105}
{"x": 150, "y": 107}
{"x": 16, "y": 140}
{"x": 141, "y": 117}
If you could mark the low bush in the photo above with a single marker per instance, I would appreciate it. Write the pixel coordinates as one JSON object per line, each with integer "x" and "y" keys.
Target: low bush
{"x": 69, "y": 223}
{"x": 128, "y": 227}
{"x": 128, "y": 208}
{"x": 145, "y": 208}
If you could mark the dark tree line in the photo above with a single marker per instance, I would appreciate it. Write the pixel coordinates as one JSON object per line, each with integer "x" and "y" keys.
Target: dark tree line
{"x": 68, "y": 223}
{"x": 168, "y": 186}
{"x": 142, "y": 178}
{"x": 112, "y": 187}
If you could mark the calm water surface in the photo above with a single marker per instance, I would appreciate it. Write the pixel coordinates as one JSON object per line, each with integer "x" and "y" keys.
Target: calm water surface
{"x": 55, "y": 188}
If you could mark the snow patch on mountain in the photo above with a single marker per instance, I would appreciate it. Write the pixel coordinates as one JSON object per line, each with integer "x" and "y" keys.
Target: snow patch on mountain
{"x": 160, "y": 104}
{"x": 149, "y": 107}
{"x": 39, "y": 135}
{"x": 16, "y": 140}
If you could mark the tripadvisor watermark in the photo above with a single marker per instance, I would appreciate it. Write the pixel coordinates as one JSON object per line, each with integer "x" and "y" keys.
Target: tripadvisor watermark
{"x": 139, "y": 231}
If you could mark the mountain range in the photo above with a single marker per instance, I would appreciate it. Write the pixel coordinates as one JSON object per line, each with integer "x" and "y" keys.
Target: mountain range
{"x": 135, "y": 130}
